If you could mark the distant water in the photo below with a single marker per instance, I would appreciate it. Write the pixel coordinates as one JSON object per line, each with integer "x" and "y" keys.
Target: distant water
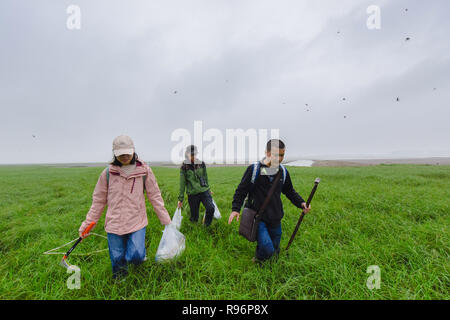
{"x": 300, "y": 163}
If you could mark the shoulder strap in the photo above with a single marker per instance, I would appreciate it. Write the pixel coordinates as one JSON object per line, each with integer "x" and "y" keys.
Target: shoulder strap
{"x": 204, "y": 168}
{"x": 256, "y": 169}
{"x": 255, "y": 172}
{"x": 284, "y": 172}
{"x": 269, "y": 195}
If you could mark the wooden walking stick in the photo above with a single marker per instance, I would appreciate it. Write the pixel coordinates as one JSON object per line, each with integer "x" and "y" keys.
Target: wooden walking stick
{"x": 311, "y": 195}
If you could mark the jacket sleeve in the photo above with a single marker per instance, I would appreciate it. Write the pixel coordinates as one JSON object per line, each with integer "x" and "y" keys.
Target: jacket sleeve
{"x": 242, "y": 190}
{"x": 290, "y": 193}
{"x": 99, "y": 200}
{"x": 182, "y": 185}
{"x": 155, "y": 198}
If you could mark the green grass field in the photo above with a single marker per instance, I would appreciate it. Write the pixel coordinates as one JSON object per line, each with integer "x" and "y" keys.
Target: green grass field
{"x": 393, "y": 216}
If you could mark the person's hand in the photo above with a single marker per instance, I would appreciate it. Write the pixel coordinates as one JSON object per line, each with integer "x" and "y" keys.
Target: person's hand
{"x": 233, "y": 215}
{"x": 211, "y": 192}
{"x": 86, "y": 230}
{"x": 85, "y": 236}
{"x": 306, "y": 210}
{"x": 180, "y": 203}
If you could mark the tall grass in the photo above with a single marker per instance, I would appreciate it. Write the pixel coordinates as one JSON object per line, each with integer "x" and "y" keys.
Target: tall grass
{"x": 393, "y": 216}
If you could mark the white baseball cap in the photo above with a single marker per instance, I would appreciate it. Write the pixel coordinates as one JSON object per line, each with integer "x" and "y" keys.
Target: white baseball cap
{"x": 123, "y": 145}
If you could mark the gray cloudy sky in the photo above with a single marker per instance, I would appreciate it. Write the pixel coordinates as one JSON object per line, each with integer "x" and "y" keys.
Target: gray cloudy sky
{"x": 234, "y": 64}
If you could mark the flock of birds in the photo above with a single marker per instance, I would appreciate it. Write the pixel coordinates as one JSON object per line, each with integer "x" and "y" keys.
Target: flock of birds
{"x": 306, "y": 104}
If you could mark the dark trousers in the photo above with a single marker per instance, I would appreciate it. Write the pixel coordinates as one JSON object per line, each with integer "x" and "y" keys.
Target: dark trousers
{"x": 194, "y": 203}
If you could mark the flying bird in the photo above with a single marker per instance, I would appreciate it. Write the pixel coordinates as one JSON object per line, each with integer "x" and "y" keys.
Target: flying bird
{"x": 398, "y": 99}
{"x": 407, "y": 39}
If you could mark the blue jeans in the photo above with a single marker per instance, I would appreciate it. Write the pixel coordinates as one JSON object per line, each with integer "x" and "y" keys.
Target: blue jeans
{"x": 268, "y": 241}
{"x": 124, "y": 249}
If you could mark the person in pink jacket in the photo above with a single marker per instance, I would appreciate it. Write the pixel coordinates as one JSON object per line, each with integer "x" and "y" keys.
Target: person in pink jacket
{"x": 121, "y": 186}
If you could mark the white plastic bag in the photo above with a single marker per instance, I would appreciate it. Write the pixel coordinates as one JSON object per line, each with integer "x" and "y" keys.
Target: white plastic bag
{"x": 216, "y": 211}
{"x": 177, "y": 217}
{"x": 171, "y": 245}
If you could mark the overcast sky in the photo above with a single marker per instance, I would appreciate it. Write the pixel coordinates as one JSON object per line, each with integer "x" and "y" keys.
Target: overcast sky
{"x": 65, "y": 94}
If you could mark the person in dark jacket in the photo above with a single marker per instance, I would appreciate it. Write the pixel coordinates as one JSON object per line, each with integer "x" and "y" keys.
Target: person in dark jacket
{"x": 194, "y": 180}
{"x": 269, "y": 227}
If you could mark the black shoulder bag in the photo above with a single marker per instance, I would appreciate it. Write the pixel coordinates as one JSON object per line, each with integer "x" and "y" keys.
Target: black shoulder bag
{"x": 250, "y": 218}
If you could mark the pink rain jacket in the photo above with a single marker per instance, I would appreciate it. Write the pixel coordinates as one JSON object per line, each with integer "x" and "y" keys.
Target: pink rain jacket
{"x": 125, "y": 199}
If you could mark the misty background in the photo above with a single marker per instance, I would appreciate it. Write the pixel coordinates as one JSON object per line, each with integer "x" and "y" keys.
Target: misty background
{"x": 312, "y": 69}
